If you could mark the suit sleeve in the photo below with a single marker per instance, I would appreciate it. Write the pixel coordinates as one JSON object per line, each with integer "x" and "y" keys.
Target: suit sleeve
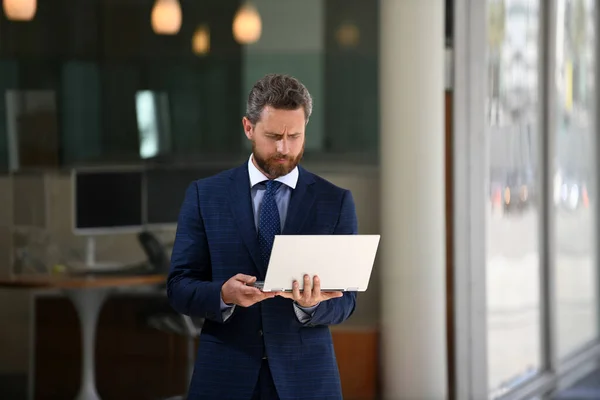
{"x": 190, "y": 288}
{"x": 336, "y": 311}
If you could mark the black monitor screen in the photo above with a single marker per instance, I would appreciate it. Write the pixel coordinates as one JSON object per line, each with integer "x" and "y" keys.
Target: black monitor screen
{"x": 108, "y": 199}
{"x": 166, "y": 190}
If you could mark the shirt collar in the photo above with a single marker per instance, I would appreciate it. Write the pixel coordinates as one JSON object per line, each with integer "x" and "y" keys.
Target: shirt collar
{"x": 256, "y": 176}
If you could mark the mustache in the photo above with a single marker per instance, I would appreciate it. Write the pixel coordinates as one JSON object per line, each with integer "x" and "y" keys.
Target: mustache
{"x": 280, "y": 157}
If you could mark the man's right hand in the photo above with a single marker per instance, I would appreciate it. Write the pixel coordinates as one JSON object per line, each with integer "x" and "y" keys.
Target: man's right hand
{"x": 239, "y": 290}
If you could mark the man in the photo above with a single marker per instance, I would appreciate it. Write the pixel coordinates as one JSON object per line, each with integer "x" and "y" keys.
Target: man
{"x": 257, "y": 345}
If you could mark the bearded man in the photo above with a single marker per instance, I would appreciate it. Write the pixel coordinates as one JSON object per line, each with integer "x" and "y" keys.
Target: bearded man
{"x": 258, "y": 345}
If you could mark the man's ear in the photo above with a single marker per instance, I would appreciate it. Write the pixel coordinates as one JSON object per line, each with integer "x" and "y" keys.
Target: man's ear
{"x": 248, "y": 128}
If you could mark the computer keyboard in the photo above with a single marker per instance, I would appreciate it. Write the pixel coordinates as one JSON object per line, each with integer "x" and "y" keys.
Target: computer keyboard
{"x": 259, "y": 284}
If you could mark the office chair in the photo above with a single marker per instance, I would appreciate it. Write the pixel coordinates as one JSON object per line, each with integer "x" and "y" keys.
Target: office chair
{"x": 155, "y": 252}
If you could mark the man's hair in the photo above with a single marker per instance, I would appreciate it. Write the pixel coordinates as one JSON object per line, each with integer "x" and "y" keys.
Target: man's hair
{"x": 279, "y": 91}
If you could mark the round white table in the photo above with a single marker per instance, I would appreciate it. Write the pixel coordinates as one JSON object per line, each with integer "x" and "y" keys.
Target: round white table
{"x": 87, "y": 295}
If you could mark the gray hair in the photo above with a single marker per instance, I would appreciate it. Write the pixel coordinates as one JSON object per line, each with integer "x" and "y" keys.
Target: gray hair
{"x": 279, "y": 91}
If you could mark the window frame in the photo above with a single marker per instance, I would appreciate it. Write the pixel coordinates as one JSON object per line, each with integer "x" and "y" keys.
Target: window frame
{"x": 470, "y": 166}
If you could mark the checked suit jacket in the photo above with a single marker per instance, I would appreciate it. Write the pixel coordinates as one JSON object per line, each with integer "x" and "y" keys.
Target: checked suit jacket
{"x": 216, "y": 239}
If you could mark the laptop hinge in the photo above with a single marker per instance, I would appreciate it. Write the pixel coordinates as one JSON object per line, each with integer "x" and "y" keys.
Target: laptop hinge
{"x": 352, "y": 289}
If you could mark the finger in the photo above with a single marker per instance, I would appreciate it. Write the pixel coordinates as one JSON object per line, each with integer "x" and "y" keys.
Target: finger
{"x": 247, "y": 279}
{"x": 250, "y": 291}
{"x": 307, "y": 289}
{"x": 316, "y": 290}
{"x": 286, "y": 295}
{"x": 296, "y": 291}
{"x": 261, "y": 297}
{"x": 253, "y": 295}
{"x": 331, "y": 295}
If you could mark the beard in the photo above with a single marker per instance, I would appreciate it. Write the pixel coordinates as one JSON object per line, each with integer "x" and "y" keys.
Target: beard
{"x": 272, "y": 167}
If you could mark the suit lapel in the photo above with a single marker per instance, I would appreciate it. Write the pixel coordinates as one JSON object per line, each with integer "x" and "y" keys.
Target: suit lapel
{"x": 241, "y": 206}
{"x": 301, "y": 201}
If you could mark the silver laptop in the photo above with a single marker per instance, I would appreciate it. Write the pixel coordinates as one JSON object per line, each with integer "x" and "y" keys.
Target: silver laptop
{"x": 342, "y": 262}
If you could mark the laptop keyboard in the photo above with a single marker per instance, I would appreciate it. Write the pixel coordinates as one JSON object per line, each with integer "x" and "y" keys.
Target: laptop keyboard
{"x": 259, "y": 284}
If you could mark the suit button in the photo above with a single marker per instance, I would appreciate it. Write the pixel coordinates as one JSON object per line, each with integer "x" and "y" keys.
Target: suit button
{"x": 260, "y": 332}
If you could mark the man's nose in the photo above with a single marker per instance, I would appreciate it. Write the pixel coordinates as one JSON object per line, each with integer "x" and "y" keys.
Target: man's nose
{"x": 282, "y": 146}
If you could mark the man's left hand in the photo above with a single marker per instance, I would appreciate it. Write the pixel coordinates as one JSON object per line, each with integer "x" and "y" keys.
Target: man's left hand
{"x": 311, "y": 295}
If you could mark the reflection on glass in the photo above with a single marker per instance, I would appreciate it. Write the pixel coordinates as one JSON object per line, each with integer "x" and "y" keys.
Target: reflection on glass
{"x": 247, "y": 24}
{"x": 201, "y": 40}
{"x": 153, "y": 123}
{"x": 348, "y": 35}
{"x": 32, "y": 128}
{"x": 513, "y": 271}
{"x": 574, "y": 191}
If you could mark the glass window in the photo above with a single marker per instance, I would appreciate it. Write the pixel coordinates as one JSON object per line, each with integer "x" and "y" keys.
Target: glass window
{"x": 98, "y": 62}
{"x": 512, "y": 221}
{"x": 8, "y": 78}
{"x": 337, "y": 59}
{"x": 153, "y": 123}
{"x": 351, "y": 77}
{"x": 574, "y": 181}
{"x": 81, "y": 123}
{"x": 32, "y": 128}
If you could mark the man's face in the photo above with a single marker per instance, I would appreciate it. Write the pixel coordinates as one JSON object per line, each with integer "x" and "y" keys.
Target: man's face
{"x": 277, "y": 140}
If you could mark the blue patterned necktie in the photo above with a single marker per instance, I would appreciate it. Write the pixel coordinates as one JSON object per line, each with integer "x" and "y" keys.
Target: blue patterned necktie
{"x": 269, "y": 223}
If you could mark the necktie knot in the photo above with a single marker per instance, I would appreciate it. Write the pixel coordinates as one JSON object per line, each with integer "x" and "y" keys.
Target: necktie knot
{"x": 272, "y": 186}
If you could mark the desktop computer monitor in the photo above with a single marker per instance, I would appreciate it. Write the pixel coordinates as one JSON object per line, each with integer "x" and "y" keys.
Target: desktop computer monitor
{"x": 106, "y": 202}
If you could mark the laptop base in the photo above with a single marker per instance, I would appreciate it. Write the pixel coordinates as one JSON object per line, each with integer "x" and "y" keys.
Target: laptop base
{"x": 261, "y": 284}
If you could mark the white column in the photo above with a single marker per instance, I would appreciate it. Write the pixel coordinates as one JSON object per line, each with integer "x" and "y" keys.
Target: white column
{"x": 413, "y": 195}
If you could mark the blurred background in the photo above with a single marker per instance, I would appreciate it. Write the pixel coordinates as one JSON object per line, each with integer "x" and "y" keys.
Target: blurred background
{"x": 110, "y": 108}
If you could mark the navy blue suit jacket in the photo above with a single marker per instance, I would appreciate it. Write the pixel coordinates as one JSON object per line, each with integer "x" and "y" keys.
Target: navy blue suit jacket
{"x": 216, "y": 239}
